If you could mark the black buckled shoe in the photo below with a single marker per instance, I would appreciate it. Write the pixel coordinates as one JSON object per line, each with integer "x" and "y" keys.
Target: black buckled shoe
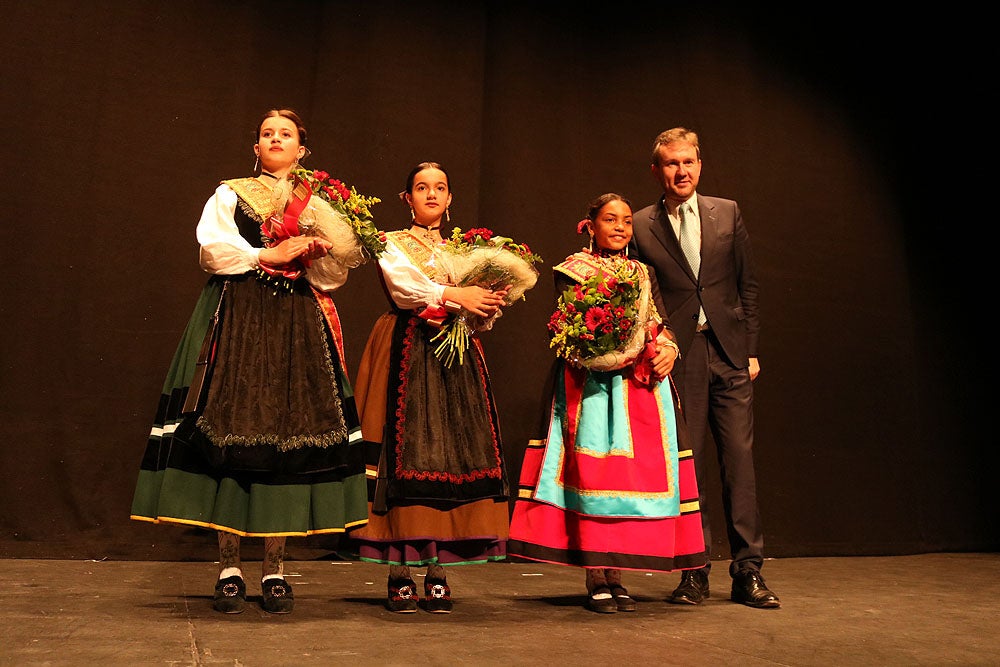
{"x": 230, "y": 595}
{"x": 749, "y": 589}
{"x": 693, "y": 588}
{"x": 278, "y": 598}
{"x": 403, "y": 596}
{"x": 622, "y": 600}
{"x": 437, "y": 596}
{"x": 602, "y": 601}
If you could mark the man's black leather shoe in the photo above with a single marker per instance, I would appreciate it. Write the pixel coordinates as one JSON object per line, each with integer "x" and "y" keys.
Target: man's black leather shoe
{"x": 749, "y": 589}
{"x": 693, "y": 588}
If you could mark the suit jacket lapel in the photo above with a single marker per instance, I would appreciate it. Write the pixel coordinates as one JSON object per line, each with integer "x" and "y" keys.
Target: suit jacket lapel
{"x": 709, "y": 228}
{"x": 664, "y": 233}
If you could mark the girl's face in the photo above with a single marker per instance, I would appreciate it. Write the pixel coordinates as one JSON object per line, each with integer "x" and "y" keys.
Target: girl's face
{"x": 613, "y": 226}
{"x": 278, "y": 144}
{"x": 430, "y": 196}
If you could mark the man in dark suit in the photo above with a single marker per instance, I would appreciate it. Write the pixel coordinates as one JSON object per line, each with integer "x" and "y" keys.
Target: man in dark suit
{"x": 700, "y": 252}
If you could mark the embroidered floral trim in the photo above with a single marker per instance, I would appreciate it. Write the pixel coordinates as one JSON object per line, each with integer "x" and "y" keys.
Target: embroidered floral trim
{"x": 434, "y": 476}
{"x": 271, "y": 439}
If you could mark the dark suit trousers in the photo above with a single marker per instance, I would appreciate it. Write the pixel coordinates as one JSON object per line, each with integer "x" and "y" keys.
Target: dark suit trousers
{"x": 716, "y": 395}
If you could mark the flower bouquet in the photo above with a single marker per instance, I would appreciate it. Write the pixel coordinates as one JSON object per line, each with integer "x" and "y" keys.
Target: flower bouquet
{"x": 600, "y": 323}
{"x": 349, "y": 207}
{"x": 479, "y": 257}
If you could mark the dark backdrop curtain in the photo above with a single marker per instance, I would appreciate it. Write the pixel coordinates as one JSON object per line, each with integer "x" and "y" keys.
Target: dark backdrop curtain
{"x": 828, "y": 128}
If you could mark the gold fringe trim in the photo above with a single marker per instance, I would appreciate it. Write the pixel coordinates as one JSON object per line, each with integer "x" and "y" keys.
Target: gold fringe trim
{"x": 254, "y": 194}
{"x": 416, "y": 250}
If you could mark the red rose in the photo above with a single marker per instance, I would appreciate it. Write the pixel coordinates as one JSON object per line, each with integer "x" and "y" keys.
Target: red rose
{"x": 481, "y": 232}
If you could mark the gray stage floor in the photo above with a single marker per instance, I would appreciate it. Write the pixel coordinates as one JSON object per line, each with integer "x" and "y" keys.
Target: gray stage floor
{"x": 933, "y": 609}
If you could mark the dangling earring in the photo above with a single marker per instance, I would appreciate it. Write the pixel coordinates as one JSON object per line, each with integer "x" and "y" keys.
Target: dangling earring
{"x": 591, "y": 243}
{"x": 256, "y": 166}
{"x": 626, "y": 251}
{"x": 447, "y": 215}
{"x": 413, "y": 215}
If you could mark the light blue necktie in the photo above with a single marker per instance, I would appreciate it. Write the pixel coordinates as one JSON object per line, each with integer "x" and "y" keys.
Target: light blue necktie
{"x": 691, "y": 247}
{"x": 689, "y": 239}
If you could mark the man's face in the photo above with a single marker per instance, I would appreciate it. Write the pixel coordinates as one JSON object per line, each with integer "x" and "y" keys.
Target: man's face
{"x": 677, "y": 170}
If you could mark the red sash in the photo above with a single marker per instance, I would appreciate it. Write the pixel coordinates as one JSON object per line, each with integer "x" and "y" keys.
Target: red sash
{"x": 278, "y": 229}
{"x": 329, "y": 309}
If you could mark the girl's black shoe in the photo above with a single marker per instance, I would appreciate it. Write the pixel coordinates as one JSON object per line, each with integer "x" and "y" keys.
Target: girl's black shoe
{"x": 278, "y": 598}
{"x": 437, "y": 596}
{"x": 230, "y": 595}
{"x": 403, "y": 596}
{"x": 601, "y": 601}
{"x": 622, "y": 599}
